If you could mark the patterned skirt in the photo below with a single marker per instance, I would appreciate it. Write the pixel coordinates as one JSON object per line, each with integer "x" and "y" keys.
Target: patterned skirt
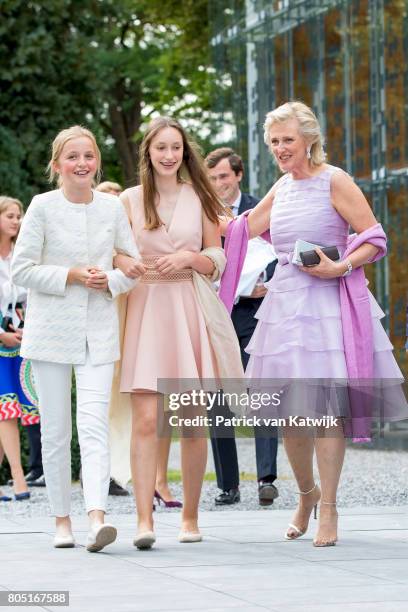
{"x": 18, "y": 398}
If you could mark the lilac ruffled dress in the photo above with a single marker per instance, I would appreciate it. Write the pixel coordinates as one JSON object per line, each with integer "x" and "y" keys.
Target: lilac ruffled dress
{"x": 299, "y": 332}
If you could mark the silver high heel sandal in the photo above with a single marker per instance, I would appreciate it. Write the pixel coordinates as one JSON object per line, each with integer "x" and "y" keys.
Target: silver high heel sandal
{"x": 298, "y": 532}
{"x": 327, "y": 542}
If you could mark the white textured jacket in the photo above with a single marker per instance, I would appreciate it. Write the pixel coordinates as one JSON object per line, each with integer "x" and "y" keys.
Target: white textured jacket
{"x": 61, "y": 319}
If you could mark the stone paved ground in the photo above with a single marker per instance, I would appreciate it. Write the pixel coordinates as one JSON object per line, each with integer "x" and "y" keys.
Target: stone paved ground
{"x": 243, "y": 564}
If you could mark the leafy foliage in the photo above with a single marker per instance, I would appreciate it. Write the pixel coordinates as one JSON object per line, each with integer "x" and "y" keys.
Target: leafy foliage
{"x": 107, "y": 64}
{"x": 43, "y": 78}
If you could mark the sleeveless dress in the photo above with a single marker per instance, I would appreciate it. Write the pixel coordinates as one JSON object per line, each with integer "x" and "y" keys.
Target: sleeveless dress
{"x": 299, "y": 331}
{"x": 18, "y": 398}
{"x": 165, "y": 333}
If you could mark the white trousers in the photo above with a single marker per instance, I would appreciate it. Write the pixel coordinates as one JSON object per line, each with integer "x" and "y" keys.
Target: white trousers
{"x": 93, "y": 387}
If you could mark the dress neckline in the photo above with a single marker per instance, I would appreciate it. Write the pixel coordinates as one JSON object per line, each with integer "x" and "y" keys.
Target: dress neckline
{"x": 168, "y": 226}
{"x": 309, "y": 178}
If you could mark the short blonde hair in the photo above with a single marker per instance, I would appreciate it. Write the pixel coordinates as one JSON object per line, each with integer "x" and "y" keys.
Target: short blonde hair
{"x": 309, "y": 127}
{"x": 109, "y": 187}
{"x": 76, "y": 131}
{"x": 5, "y": 202}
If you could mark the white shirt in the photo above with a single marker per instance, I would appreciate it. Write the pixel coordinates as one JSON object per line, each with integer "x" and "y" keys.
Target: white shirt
{"x": 259, "y": 254}
{"x": 235, "y": 206}
{"x": 9, "y": 293}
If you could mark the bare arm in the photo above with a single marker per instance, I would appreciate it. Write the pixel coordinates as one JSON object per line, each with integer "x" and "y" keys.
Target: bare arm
{"x": 130, "y": 266}
{"x": 211, "y": 238}
{"x": 224, "y": 221}
{"x": 351, "y": 204}
{"x": 260, "y": 217}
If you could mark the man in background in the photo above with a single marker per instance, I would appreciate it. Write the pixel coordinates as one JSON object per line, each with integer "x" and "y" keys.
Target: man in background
{"x": 225, "y": 170}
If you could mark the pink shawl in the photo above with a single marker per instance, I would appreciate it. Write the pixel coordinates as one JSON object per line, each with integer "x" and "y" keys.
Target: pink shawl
{"x": 235, "y": 247}
{"x": 358, "y": 333}
{"x": 355, "y": 312}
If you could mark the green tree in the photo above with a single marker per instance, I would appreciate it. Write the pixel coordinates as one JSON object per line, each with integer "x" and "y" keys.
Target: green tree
{"x": 45, "y": 80}
{"x": 153, "y": 58}
{"x": 106, "y": 64}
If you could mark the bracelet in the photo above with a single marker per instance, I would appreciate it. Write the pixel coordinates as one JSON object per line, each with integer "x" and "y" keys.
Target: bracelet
{"x": 349, "y": 267}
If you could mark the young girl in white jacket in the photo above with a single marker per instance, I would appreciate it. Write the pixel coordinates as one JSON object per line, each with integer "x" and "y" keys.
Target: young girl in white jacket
{"x": 63, "y": 255}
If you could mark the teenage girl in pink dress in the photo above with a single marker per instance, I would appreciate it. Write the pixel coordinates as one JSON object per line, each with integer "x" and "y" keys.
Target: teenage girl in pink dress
{"x": 166, "y": 335}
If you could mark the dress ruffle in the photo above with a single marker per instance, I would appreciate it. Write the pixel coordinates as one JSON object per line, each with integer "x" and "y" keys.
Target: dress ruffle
{"x": 297, "y": 346}
{"x": 301, "y": 333}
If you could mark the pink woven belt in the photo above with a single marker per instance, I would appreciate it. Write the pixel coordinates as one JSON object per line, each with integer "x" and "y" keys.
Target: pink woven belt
{"x": 152, "y": 275}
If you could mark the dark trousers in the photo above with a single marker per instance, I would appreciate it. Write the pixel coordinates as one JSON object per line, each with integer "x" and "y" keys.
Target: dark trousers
{"x": 225, "y": 448}
{"x": 34, "y": 440}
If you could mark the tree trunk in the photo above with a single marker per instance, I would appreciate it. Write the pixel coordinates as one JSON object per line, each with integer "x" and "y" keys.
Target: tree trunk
{"x": 127, "y": 149}
{"x": 125, "y": 119}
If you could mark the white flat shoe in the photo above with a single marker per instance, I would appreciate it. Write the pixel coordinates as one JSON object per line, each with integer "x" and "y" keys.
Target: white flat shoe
{"x": 100, "y": 536}
{"x": 144, "y": 540}
{"x": 186, "y": 537}
{"x": 64, "y": 541}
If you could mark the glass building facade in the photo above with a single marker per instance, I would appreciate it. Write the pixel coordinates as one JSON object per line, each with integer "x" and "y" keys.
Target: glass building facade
{"x": 347, "y": 59}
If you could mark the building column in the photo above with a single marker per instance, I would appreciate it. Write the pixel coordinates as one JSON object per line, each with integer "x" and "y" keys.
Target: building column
{"x": 252, "y": 103}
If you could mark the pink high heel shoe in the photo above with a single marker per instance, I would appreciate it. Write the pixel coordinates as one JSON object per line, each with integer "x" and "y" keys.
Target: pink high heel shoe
{"x": 167, "y": 504}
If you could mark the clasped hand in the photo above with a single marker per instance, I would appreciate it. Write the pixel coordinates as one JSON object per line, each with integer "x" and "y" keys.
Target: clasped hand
{"x": 326, "y": 268}
{"x": 91, "y": 277}
{"x": 165, "y": 265}
{"x": 174, "y": 262}
{"x": 11, "y": 339}
{"x": 132, "y": 268}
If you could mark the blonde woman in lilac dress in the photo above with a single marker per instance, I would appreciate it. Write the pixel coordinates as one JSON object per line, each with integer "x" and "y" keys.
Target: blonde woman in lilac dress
{"x": 299, "y": 333}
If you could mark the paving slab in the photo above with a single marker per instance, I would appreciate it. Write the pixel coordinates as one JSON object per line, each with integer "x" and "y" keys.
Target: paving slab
{"x": 243, "y": 564}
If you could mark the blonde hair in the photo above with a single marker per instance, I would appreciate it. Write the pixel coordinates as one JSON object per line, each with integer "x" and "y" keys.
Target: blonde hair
{"x": 109, "y": 187}
{"x": 192, "y": 164}
{"x": 309, "y": 127}
{"x": 76, "y": 131}
{"x": 5, "y": 202}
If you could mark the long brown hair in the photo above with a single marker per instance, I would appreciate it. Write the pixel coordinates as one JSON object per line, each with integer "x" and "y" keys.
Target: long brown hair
{"x": 192, "y": 164}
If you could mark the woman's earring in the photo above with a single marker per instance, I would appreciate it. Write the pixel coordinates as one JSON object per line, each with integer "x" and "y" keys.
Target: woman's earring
{"x": 308, "y": 151}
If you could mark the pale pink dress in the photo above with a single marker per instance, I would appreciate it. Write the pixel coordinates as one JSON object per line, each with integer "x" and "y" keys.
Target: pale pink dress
{"x": 165, "y": 334}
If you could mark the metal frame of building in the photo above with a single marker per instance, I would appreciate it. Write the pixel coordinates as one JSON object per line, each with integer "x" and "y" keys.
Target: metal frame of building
{"x": 245, "y": 39}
